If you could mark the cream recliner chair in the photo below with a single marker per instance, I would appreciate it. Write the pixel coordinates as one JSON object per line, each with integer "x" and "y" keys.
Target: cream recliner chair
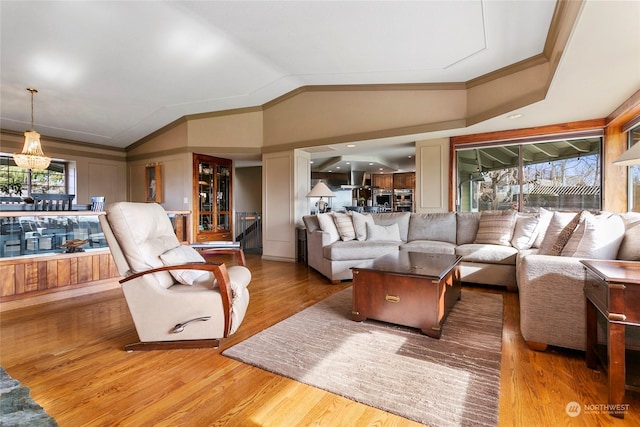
{"x": 176, "y": 300}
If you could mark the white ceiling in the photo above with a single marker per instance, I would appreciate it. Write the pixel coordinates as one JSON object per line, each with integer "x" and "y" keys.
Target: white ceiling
{"x": 112, "y": 72}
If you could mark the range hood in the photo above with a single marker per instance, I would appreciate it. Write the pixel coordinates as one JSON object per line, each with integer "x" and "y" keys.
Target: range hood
{"x": 356, "y": 180}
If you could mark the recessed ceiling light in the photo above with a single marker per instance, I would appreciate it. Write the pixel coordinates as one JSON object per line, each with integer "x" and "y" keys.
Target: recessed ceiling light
{"x": 515, "y": 116}
{"x": 337, "y": 167}
{"x": 381, "y": 168}
{"x": 351, "y": 145}
{"x": 370, "y": 164}
{"x": 348, "y": 163}
{"x": 311, "y": 162}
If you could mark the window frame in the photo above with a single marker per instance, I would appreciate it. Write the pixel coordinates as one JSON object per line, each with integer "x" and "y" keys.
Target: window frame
{"x": 493, "y": 140}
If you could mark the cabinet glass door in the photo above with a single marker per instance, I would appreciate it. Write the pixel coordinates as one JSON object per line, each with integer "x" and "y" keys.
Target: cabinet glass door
{"x": 212, "y": 188}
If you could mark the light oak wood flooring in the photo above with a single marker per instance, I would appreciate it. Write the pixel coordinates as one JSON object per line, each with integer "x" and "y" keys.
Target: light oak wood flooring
{"x": 69, "y": 353}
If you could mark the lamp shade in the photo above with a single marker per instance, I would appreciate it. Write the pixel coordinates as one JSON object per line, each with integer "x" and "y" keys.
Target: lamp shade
{"x": 321, "y": 190}
{"x": 629, "y": 157}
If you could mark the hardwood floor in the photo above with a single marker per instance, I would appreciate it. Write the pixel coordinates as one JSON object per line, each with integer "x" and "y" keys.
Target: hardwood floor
{"x": 69, "y": 353}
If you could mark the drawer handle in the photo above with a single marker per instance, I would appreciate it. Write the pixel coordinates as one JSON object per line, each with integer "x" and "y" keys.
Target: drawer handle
{"x": 392, "y": 298}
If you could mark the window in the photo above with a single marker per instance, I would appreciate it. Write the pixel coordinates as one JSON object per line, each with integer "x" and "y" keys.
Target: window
{"x": 556, "y": 175}
{"x": 634, "y": 173}
{"x": 16, "y": 181}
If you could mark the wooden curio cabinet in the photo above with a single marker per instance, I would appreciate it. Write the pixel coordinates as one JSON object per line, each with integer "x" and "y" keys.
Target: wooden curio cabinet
{"x": 212, "y": 204}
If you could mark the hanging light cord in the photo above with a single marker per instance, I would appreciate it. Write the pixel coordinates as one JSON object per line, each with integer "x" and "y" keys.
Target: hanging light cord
{"x": 32, "y": 90}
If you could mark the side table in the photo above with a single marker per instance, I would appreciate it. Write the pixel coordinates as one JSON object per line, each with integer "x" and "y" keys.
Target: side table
{"x": 612, "y": 288}
{"x": 301, "y": 233}
{"x": 209, "y": 249}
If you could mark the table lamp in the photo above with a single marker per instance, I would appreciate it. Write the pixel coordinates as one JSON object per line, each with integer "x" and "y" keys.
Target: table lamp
{"x": 321, "y": 190}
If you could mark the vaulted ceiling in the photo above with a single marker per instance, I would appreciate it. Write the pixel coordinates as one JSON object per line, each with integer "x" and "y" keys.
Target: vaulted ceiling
{"x": 113, "y": 72}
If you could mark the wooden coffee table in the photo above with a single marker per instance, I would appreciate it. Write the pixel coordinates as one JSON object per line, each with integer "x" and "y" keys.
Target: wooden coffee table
{"x": 412, "y": 289}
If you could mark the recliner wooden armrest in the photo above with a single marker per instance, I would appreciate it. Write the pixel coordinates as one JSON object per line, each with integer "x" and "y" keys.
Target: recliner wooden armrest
{"x": 219, "y": 271}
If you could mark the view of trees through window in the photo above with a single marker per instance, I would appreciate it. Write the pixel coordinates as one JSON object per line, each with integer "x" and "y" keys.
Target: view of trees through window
{"x": 19, "y": 182}
{"x": 556, "y": 175}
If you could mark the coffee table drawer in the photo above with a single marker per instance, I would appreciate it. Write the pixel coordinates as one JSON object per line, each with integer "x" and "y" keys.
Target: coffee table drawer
{"x": 419, "y": 302}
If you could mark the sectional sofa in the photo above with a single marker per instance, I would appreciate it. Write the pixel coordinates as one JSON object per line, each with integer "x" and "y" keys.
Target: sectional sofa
{"x": 537, "y": 254}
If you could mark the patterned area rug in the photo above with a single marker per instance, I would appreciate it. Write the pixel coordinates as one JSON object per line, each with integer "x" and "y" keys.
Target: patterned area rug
{"x": 453, "y": 381}
{"x": 17, "y": 408}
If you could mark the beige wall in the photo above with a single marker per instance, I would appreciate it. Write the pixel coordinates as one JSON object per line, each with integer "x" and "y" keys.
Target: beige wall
{"x": 247, "y": 189}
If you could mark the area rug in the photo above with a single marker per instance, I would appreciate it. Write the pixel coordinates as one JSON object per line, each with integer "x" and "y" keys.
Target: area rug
{"x": 17, "y": 408}
{"x": 453, "y": 381}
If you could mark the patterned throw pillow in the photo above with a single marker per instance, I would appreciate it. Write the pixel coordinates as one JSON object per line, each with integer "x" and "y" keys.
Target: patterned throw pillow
{"x": 496, "y": 227}
{"x": 344, "y": 224}
{"x": 565, "y": 235}
{"x": 558, "y": 222}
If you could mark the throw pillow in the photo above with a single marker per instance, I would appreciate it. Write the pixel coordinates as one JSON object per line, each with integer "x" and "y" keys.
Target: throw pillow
{"x": 344, "y": 224}
{"x": 564, "y": 236}
{"x": 182, "y": 255}
{"x": 544, "y": 218}
{"x": 496, "y": 227}
{"x": 572, "y": 245}
{"x": 360, "y": 224}
{"x": 400, "y": 218}
{"x": 525, "y": 232}
{"x": 328, "y": 225}
{"x": 383, "y": 233}
{"x": 630, "y": 246}
{"x": 603, "y": 235}
{"x": 558, "y": 222}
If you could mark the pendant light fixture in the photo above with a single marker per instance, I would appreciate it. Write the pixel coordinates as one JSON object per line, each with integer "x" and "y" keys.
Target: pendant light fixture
{"x": 32, "y": 156}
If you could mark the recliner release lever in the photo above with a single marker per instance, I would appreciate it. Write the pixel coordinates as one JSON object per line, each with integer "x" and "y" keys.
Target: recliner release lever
{"x": 180, "y": 326}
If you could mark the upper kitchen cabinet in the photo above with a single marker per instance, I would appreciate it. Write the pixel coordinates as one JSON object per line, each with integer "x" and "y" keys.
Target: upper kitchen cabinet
{"x": 212, "y": 204}
{"x": 405, "y": 180}
{"x": 382, "y": 181}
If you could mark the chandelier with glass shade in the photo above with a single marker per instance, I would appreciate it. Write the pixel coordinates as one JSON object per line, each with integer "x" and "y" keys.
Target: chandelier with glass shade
{"x": 31, "y": 156}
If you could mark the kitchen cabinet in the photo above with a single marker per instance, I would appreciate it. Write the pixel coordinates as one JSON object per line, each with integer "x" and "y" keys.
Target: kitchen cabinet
{"x": 382, "y": 181}
{"x": 212, "y": 198}
{"x": 406, "y": 180}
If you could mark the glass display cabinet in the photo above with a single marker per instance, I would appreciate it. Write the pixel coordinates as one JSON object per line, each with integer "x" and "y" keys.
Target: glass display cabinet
{"x": 49, "y": 251}
{"x": 212, "y": 201}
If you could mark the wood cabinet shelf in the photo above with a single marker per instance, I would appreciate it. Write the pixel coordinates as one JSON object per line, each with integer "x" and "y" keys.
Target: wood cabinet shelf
{"x": 212, "y": 198}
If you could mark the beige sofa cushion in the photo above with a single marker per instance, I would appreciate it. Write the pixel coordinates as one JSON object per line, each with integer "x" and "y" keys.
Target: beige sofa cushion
{"x": 434, "y": 226}
{"x": 429, "y": 246}
{"x": 496, "y": 227}
{"x": 467, "y": 227}
{"x": 355, "y": 250}
{"x": 492, "y": 254}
